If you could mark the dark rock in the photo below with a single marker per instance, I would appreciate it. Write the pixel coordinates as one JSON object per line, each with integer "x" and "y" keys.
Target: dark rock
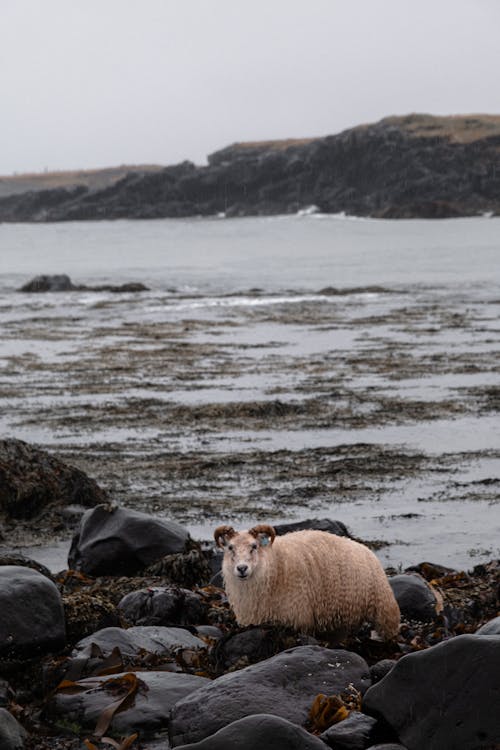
{"x": 55, "y": 283}
{"x": 116, "y": 541}
{"x": 430, "y": 571}
{"x": 262, "y": 731}
{"x": 284, "y": 685}
{"x": 188, "y": 569}
{"x": 387, "y": 746}
{"x": 319, "y": 524}
{"x": 353, "y": 733}
{"x": 255, "y": 644}
{"x": 209, "y": 631}
{"x": 442, "y": 698}
{"x": 169, "y": 605}
{"x": 63, "y": 283}
{"x": 151, "y": 639}
{"x": 147, "y": 714}
{"x": 380, "y": 669}
{"x": 414, "y": 596}
{"x": 86, "y": 614}
{"x": 15, "y": 558}
{"x": 32, "y": 620}
{"x": 490, "y": 628}
{"x": 12, "y": 734}
{"x": 31, "y": 479}
{"x": 131, "y": 286}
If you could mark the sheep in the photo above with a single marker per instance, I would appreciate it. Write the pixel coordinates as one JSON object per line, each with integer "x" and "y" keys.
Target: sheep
{"x": 313, "y": 581}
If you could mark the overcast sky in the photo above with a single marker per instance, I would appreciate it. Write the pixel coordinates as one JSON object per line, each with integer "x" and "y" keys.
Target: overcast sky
{"x": 89, "y": 83}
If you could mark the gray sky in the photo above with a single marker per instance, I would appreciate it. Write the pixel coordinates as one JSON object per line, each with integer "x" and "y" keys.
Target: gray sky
{"x": 88, "y": 83}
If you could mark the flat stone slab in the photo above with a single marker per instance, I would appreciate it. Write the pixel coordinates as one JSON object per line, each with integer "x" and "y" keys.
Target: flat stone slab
{"x": 155, "y": 639}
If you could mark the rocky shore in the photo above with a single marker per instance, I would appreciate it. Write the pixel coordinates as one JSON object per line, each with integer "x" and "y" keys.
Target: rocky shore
{"x": 134, "y": 644}
{"x": 401, "y": 167}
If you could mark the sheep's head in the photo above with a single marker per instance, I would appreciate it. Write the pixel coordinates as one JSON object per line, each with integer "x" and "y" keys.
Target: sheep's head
{"x": 244, "y": 550}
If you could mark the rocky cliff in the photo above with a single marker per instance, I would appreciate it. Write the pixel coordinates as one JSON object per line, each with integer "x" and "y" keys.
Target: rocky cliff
{"x": 400, "y": 167}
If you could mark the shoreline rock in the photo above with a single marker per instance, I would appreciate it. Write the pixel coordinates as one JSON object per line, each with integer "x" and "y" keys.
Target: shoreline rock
{"x": 63, "y": 283}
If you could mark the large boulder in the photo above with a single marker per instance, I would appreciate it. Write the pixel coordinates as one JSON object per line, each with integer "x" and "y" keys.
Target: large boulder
{"x": 166, "y": 605}
{"x": 12, "y": 734}
{"x": 59, "y": 282}
{"x": 62, "y": 283}
{"x": 284, "y": 685}
{"x": 262, "y": 731}
{"x": 152, "y": 696}
{"x": 442, "y": 698}
{"x": 117, "y": 541}
{"x": 414, "y": 596}
{"x": 32, "y": 615}
{"x": 31, "y": 479}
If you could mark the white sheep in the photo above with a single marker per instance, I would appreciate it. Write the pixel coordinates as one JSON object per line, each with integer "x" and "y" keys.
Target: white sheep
{"x": 313, "y": 581}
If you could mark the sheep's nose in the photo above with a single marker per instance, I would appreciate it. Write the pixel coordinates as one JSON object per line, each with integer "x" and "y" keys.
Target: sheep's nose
{"x": 242, "y": 569}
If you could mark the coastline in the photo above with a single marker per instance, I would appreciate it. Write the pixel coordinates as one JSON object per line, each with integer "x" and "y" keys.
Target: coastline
{"x": 416, "y": 166}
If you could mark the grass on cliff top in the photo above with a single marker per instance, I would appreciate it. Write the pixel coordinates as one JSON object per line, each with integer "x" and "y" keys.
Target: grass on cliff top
{"x": 458, "y": 128}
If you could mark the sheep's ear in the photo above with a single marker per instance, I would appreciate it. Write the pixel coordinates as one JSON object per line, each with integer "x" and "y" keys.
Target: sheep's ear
{"x": 223, "y": 534}
{"x": 263, "y": 533}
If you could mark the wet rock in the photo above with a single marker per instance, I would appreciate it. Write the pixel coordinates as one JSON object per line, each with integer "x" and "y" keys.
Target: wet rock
{"x": 49, "y": 283}
{"x": 255, "y": 644}
{"x": 441, "y": 698}
{"x": 12, "y": 734}
{"x": 117, "y": 541}
{"x": 15, "y": 558}
{"x": 154, "y": 694}
{"x": 490, "y": 628}
{"x": 209, "y": 631}
{"x": 387, "y": 746}
{"x": 284, "y": 685}
{"x": 31, "y": 479}
{"x": 262, "y": 731}
{"x": 63, "y": 283}
{"x": 319, "y": 524}
{"x": 131, "y": 286}
{"x": 381, "y": 668}
{"x": 414, "y": 596}
{"x": 152, "y": 639}
{"x": 353, "y": 733}
{"x": 187, "y": 569}
{"x": 32, "y": 620}
{"x": 86, "y": 614}
{"x": 430, "y": 571}
{"x": 169, "y": 605}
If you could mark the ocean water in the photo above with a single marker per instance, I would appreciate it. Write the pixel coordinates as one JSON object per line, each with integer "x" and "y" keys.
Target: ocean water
{"x": 292, "y": 308}
{"x": 219, "y": 256}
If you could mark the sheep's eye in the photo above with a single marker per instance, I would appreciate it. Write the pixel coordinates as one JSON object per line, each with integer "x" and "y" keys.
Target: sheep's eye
{"x": 253, "y": 547}
{"x": 231, "y": 548}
